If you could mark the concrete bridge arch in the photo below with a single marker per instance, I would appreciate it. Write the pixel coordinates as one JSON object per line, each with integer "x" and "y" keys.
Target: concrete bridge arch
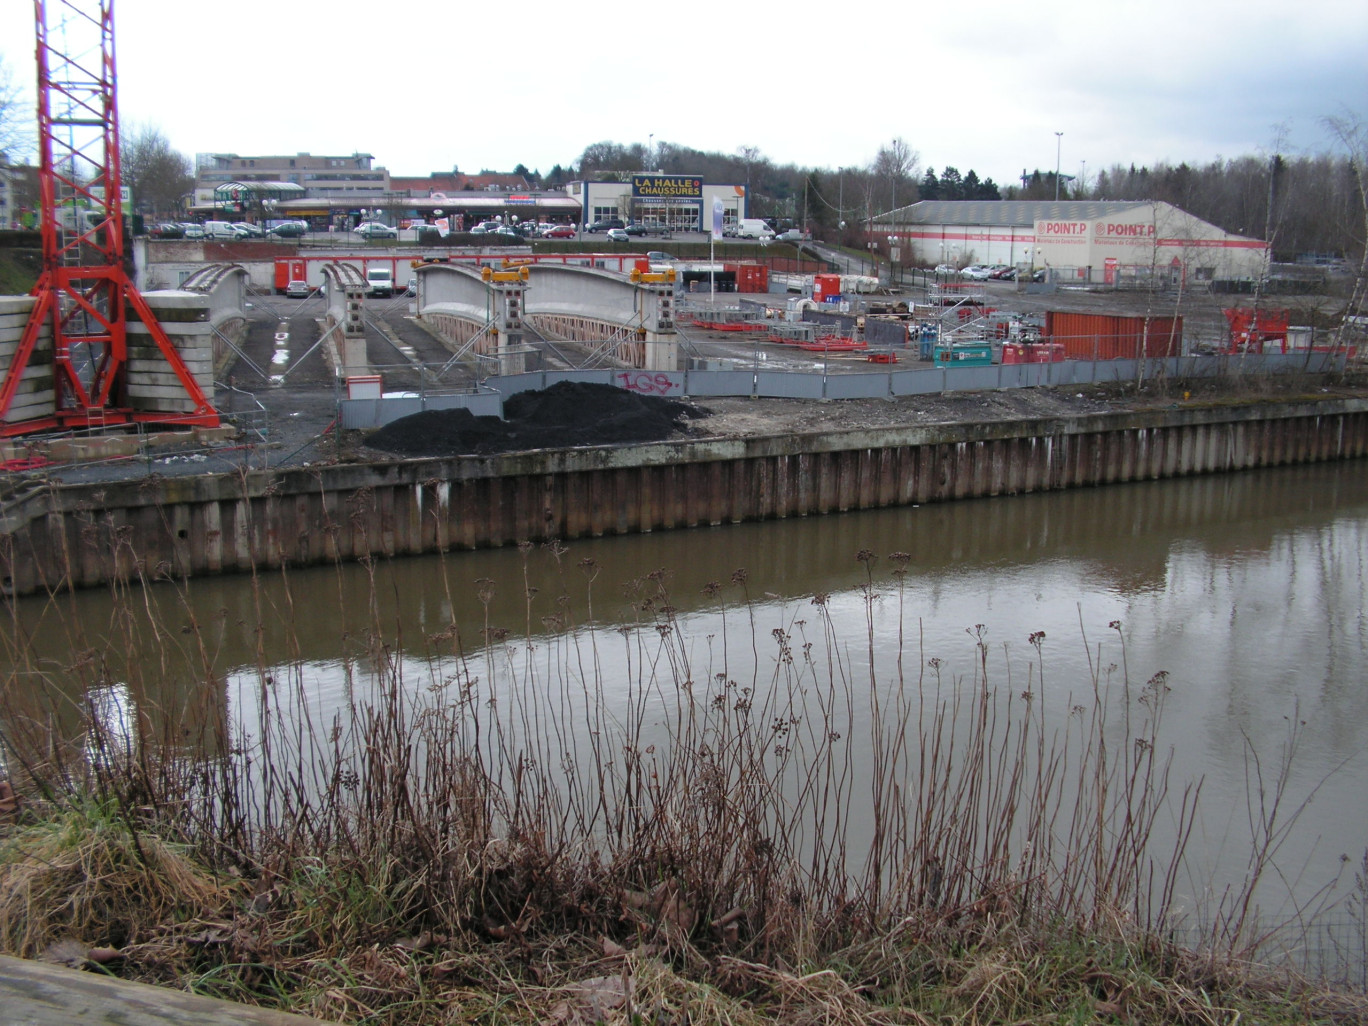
{"x": 497, "y": 312}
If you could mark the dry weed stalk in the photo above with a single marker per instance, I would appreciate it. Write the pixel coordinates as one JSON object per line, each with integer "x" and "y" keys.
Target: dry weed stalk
{"x": 773, "y": 801}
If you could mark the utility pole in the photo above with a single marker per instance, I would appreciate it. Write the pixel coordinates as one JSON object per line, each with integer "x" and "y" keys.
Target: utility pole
{"x": 1059, "y": 143}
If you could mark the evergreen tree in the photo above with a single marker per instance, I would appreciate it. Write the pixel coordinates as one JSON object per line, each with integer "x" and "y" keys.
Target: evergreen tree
{"x": 930, "y": 185}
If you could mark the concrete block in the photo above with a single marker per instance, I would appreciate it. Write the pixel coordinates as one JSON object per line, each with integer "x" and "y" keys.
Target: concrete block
{"x": 31, "y": 406}
{"x": 154, "y": 391}
{"x": 17, "y": 304}
{"x": 41, "y": 356}
{"x": 155, "y": 405}
{"x": 223, "y": 433}
{"x": 164, "y": 439}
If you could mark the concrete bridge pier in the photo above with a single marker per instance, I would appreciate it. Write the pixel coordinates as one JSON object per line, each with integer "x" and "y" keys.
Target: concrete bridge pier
{"x": 509, "y": 290}
{"x": 346, "y": 291}
{"x": 662, "y": 342}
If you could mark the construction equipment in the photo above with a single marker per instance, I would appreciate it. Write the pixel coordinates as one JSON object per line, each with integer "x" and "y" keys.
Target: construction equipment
{"x": 84, "y": 293}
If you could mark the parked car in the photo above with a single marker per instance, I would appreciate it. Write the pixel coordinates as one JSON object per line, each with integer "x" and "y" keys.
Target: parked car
{"x": 607, "y": 225}
{"x": 166, "y": 231}
{"x": 1003, "y": 272}
{"x": 412, "y": 289}
{"x": 560, "y": 231}
{"x": 975, "y": 272}
{"x": 192, "y": 230}
{"x": 947, "y": 269}
{"x": 375, "y": 230}
{"x": 634, "y": 229}
{"x": 254, "y": 231}
{"x": 485, "y": 227}
{"x": 618, "y": 235}
{"x": 223, "y": 230}
{"x": 290, "y": 230}
{"x": 506, "y": 231}
{"x": 657, "y": 256}
{"x": 793, "y": 235}
{"x": 298, "y": 289}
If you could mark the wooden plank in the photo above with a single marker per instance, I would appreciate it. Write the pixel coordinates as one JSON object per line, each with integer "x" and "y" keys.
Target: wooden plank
{"x": 38, "y": 994}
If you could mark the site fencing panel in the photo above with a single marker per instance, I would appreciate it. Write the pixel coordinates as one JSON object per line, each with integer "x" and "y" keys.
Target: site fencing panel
{"x": 665, "y": 384}
{"x": 723, "y": 382}
{"x": 591, "y": 377}
{"x": 361, "y": 414}
{"x": 785, "y": 385}
{"x": 918, "y": 382}
{"x": 969, "y": 379}
{"x": 369, "y": 413}
{"x": 858, "y": 386}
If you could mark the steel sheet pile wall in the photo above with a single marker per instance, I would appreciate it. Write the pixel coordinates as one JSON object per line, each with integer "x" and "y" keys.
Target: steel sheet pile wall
{"x": 58, "y": 535}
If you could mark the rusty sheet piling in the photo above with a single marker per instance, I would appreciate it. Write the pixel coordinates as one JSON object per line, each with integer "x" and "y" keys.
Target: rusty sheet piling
{"x": 55, "y": 536}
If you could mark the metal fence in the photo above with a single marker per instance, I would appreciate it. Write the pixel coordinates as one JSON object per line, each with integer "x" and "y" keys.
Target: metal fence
{"x": 758, "y": 383}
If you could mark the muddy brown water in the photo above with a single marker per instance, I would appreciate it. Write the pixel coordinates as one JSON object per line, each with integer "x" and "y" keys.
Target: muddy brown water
{"x": 1248, "y": 590}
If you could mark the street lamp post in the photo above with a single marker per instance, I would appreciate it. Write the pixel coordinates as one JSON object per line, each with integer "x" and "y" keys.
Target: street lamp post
{"x": 1059, "y": 143}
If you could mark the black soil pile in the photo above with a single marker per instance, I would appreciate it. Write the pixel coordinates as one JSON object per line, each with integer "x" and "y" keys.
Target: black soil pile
{"x": 565, "y": 415}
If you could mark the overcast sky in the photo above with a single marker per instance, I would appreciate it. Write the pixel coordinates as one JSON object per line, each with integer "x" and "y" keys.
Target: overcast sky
{"x": 427, "y": 84}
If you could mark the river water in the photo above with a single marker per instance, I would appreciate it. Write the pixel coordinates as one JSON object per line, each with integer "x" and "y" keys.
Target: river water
{"x": 1247, "y": 590}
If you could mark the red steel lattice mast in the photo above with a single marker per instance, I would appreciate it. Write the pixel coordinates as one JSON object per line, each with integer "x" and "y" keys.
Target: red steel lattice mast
{"x": 84, "y": 292}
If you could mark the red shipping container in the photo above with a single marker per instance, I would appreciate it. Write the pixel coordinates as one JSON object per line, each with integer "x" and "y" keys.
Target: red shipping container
{"x": 750, "y": 277}
{"x": 1087, "y": 336}
{"x": 288, "y": 269}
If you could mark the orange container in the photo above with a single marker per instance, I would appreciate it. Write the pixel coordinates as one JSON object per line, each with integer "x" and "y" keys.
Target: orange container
{"x": 1087, "y": 336}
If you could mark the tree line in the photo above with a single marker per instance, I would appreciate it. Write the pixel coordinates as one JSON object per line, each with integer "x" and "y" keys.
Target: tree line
{"x": 1302, "y": 204}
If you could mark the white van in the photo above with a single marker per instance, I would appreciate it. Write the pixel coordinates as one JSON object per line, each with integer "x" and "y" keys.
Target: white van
{"x": 222, "y": 230}
{"x": 379, "y": 282}
{"x": 753, "y": 228}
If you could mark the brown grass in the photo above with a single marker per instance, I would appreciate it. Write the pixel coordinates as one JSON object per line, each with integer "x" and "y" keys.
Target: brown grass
{"x": 769, "y": 832}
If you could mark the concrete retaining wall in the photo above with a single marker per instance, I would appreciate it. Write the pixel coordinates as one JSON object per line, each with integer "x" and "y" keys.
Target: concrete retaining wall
{"x": 58, "y": 536}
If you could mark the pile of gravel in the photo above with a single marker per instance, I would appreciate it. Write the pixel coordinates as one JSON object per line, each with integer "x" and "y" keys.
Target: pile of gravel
{"x": 565, "y": 415}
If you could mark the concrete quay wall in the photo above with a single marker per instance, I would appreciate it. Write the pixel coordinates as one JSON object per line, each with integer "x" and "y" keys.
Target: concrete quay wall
{"x": 55, "y": 536}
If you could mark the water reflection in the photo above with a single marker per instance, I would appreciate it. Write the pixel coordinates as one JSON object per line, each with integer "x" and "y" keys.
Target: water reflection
{"x": 1247, "y": 590}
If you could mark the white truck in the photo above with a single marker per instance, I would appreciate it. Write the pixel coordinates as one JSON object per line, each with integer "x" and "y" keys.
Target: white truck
{"x": 753, "y": 228}
{"x": 380, "y": 281}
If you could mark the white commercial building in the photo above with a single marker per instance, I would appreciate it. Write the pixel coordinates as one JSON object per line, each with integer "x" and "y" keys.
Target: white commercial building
{"x": 677, "y": 202}
{"x": 1084, "y": 241}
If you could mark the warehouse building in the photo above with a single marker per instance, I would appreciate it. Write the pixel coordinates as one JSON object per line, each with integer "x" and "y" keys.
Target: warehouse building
{"x": 1113, "y": 243}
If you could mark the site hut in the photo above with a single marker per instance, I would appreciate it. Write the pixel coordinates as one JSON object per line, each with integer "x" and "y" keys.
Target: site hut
{"x": 1079, "y": 241}
{"x": 681, "y": 203}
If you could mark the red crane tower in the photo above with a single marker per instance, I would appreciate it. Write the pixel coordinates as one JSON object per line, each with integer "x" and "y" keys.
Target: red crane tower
{"x": 84, "y": 292}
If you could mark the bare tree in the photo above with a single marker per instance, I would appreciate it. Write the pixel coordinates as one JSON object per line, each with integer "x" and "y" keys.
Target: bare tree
{"x": 15, "y": 128}
{"x": 157, "y": 175}
{"x": 1353, "y": 136}
{"x": 894, "y": 165}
